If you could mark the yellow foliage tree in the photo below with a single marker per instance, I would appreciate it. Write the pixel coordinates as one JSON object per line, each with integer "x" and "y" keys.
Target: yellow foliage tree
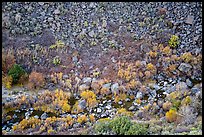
{"x": 7, "y": 81}
{"x": 171, "y": 115}
{"x": 82, "y": 119}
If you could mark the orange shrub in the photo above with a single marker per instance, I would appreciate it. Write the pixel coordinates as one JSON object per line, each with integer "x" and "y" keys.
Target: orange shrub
{"x": 82, "y": 119}
{"x": 172, "y": 67}
{"x": 92, "y": 118}
{"x": 36, "y": 80}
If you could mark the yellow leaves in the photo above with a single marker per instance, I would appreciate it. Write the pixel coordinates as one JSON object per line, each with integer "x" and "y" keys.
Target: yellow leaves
{"x": 138, "y": 101}
{"x": 26, "y": 123}
{"x": 152, "y": 54}
{"x": 104, "y": 119}
{"x": 172, "y": 67}
{"x": 88, "y": 94}
{"x": 175, "y": 57}
{"x": 82, "y": 119}
{"x": 60, "y": 75}
{"x": 8, "y": 117}
{"x": 171, "y": 115}
{"x": 120, "y": 73}
{"x": 187, "y": 57}
{"x": 76, "y": 109}
{"x": 127, "y": 75}
{"x": 69, "y": 120}
{"x": 61, "y": 95}
{"x": 58, "y": 44}
{"x": 167, "y": 50}
{"x": 123, "y": 111}
{"x": 117, "y": 99}
{"x": 50, "y": 130}
{"x": 132, "y": 96}
{"x": 151, "y": 67}
{"x": 92, "y": 118}
{"x": 186, "y": 101}
{"x": 68, "y": 83}
{"x": 121, "y": 96}
{"x": 132, "y": 84}
{"x": 23, "y": 98}
{"x": 173, "y": 95}
{"x": 146, "y": 107}
{"x": 140, "y": 74}
{"x": 66, "y": 108}
{"x": 7, "y": 81}
{"x": 15, "y": 127}
{"x": 96, "y": 74}
{"x": 161, "y": 47}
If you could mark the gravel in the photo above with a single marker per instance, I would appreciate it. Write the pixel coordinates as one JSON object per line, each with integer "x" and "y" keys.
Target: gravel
{"x": 143, "y": 18}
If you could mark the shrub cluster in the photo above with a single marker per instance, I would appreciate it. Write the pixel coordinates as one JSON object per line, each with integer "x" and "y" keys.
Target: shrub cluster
{"x": 120, "y": 126}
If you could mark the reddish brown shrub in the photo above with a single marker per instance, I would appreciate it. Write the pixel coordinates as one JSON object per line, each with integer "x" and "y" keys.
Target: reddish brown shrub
{"x": 8, "y": 60}
{"x": 36, "y": 80}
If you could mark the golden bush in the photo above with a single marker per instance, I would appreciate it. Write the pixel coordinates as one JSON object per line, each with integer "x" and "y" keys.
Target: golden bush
{"x": 82, "y": 119}
{"x": 167, "y": 50}
{"x": 153, "y": 54}
{"x": 123, "y": 111}
{"x": 92, "y": 118}
{"x": 171, "y": 115}
{"x": 7, "y": 81}
{"x": 187, "y": 57}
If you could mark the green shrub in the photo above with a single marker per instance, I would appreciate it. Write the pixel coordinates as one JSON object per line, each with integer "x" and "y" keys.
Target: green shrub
{"x": 16, "y": 72}
{"x": 137, "y": 129}
{"x": 120, "y": 125}
{"x": 56, "y": 60}
{"x": 174, "y": 41}
{"x": 102, "y": 127}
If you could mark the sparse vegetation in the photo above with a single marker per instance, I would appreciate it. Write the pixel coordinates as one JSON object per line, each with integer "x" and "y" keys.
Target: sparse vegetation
{"x": 174, "y": 41}
{"x": 127, "y": 73}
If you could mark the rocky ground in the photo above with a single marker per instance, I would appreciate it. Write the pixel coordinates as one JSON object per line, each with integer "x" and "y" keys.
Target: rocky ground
{"x": 120, "y": 51}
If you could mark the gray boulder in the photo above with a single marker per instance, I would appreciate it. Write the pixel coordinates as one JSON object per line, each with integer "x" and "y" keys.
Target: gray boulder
{"x": 115, "y": 88}
{"x": 83, "y": 87}
{"x": 44, "y": 116}
{"x": 184, "y": 67}
{"x": 87, "y": 80}
{"x": 82, "y": 104}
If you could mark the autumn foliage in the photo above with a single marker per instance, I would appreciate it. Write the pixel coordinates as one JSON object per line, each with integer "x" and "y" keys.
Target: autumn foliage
{"x": 8, "y": 60}
{"x": 36, "y": 80}
{"x": 171, "y": 115}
